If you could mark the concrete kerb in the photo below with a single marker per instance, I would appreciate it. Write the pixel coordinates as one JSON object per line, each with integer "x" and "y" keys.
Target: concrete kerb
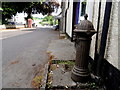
{"x": 19, "y": 28}
{"x": 11, "y": 26}
{"x": 45, "y": 77}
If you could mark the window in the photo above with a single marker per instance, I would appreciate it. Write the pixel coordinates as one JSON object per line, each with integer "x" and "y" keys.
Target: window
{"x": 83, "y": 8}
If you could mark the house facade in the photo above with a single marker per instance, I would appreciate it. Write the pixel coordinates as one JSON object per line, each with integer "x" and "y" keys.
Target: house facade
{"x": 72, "y": 13}
{"x": 104, "y": 46}
{"x": 96, "y": 14}
{"x": 111, "y": 50}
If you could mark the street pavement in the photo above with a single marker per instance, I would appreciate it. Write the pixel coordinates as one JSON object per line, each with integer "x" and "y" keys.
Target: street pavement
{"x": 62, "y": 49}
{"x": 24, "y": 53}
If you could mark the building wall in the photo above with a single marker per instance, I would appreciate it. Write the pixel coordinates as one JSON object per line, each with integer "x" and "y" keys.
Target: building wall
{"x": 119, "y": 36}
{"x": 112, "y": 40}
{"x": 19, "y": 18}
{"x": 90, "y": 11}
{"x": 63, "y": 16}
{"x": 103, "y": 4}
{"x": 94, "y": 21}
{"x": 111, "y": 52}
{"x": 69, "y": 19}
{"x": 93, "y": 17}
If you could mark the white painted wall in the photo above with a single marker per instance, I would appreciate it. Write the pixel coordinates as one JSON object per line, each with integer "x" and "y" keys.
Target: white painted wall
{"x": 90, "y": 4}
{"x": 19, "y": 18}
{"x": 94, "y": 20}
{"x": 112, "y": 41}
{"x": 111, "y": 52}
{"x": 69, "y": 19}
{"x": 89, "y": 9}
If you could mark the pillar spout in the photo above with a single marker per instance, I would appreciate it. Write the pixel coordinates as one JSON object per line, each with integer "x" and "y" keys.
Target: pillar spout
{"x": 84, "y": 31}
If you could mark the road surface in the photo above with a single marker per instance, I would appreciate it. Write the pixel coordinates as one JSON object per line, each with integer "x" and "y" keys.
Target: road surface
{"x": 23, "y": 55}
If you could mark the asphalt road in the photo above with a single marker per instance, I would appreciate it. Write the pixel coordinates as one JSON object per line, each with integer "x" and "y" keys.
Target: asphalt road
{"x": 23, "y": 54}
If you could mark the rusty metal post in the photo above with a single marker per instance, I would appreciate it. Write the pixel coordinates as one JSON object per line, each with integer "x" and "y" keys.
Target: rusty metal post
{"x": 84, "y": 32}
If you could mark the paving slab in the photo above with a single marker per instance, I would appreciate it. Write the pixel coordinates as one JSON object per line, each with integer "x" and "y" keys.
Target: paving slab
{"x": 59, "y": 78}
{"x": 60, "y": 74}
{"x": 62, "y": 49}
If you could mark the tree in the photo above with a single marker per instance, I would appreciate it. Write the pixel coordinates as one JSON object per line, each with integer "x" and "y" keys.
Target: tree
{"x": 11, "y": 8}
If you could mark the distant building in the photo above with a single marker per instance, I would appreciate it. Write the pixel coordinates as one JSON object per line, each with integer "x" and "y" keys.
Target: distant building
{"x": 19, "y": 18}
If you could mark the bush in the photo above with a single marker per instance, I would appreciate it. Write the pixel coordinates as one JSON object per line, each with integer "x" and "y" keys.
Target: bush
{"x": 47, "y": 20}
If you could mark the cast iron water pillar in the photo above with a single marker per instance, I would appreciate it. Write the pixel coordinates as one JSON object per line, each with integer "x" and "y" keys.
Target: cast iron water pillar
{"x": 83, "y": 32}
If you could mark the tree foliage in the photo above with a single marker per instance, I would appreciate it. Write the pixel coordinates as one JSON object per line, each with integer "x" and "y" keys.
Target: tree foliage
{"x": 11, "y": 8}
